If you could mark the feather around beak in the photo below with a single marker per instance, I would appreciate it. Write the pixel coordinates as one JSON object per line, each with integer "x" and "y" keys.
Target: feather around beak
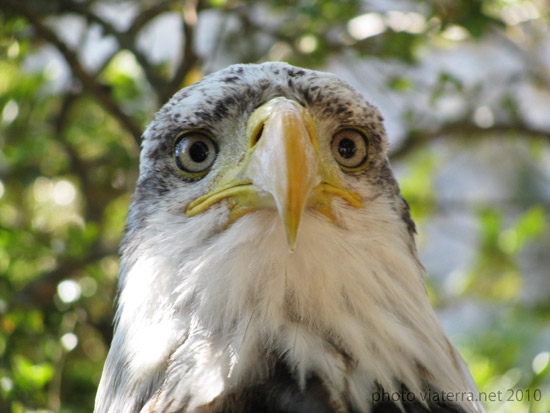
{"x": 281, "y": 170}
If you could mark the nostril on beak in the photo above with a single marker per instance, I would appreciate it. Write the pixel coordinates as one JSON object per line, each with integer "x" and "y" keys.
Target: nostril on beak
{"x": 256, "y": 137}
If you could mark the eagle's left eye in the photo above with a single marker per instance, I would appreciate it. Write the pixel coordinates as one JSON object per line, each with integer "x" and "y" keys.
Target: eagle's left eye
{"x": 194, "y": 153}
{"x": 350, "y": 149}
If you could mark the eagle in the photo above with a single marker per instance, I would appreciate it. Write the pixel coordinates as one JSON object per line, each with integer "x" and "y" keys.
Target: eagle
{"x": 269, "y": 260}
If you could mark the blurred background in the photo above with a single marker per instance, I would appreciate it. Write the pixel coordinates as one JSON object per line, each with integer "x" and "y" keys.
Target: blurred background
{"x": 464, "y": 87}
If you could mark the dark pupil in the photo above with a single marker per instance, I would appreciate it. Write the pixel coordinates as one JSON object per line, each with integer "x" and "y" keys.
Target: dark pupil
{"x": 198, "y": 152}
{"x": 346, "y": 148}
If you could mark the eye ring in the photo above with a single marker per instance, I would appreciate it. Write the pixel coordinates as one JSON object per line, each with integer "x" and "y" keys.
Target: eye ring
{"x": 194, "y": 153}
{"x": 350, "y": 148}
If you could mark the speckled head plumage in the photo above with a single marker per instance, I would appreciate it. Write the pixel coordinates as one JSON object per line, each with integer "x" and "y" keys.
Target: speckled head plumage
{"x": 215, "y": 313}
{"x": 223, "y": 102}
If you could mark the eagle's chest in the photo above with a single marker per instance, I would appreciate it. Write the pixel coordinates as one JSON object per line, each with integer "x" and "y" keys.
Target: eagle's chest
{"x": 311, "y": 319}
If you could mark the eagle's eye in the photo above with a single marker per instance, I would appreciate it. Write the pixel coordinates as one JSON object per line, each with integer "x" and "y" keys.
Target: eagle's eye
{"x": 194, "y": 153}
{"x": 350, "y": 148}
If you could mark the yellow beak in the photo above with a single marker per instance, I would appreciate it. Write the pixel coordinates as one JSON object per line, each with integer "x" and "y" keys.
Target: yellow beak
{"x": 284, "y": 162}
{"x": 281, "y": 167}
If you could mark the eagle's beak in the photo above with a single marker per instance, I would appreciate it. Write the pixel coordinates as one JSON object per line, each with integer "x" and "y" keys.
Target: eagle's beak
{"x": 281, "y": 164}
{"x": 284, "y": 162}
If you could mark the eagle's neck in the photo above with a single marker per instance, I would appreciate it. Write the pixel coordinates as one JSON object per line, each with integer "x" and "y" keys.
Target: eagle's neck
{"x": 347, "y": 306}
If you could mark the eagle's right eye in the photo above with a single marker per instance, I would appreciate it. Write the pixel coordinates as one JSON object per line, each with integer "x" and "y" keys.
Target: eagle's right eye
{"x": 194, "y": 153}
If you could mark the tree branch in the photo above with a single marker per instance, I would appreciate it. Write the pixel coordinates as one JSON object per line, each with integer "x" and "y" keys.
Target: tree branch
{"x": 88, "y": 81}
{"x": 164, "y": 88}
{"x": 188, "y": 55}
{"x": 467, "y": 130}
{"x": 126, "y": 40}
{"x": 147, "y": 15}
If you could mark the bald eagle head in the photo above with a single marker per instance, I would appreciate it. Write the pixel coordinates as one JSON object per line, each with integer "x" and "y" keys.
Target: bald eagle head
{"x": 269, "y": 261}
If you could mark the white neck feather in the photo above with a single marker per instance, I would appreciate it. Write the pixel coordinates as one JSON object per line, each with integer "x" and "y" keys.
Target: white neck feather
{"x": 349, "y": 306}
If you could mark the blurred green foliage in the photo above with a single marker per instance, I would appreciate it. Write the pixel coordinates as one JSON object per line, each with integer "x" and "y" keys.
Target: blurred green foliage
{"x": 69, "y": 161}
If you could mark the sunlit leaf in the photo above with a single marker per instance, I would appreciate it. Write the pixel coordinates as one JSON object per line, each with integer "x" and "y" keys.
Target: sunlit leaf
{"x": 32, "y": 376}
